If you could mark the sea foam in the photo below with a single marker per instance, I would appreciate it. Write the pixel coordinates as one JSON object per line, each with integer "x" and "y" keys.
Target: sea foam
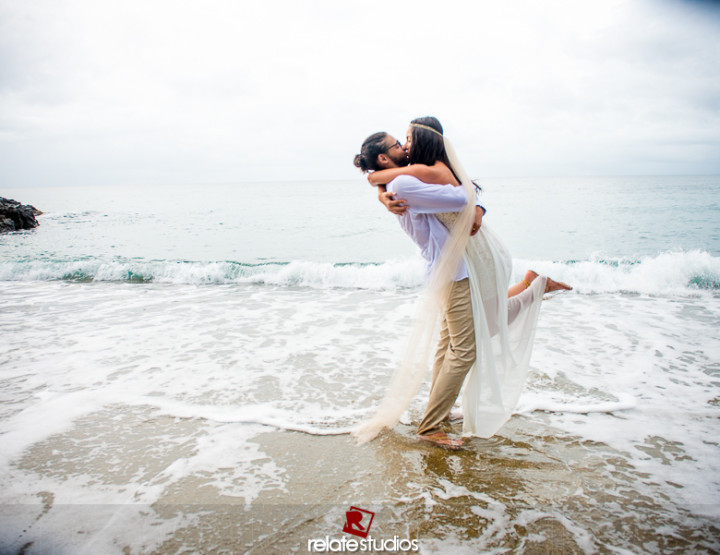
{"x": 666, "y": 273}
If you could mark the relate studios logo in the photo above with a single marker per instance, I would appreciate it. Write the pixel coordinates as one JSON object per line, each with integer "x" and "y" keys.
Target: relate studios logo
{"x": 358, "y": 522}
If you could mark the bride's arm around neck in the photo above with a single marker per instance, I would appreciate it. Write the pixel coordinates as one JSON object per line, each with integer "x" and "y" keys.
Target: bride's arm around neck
{"x": 437, "y": 173}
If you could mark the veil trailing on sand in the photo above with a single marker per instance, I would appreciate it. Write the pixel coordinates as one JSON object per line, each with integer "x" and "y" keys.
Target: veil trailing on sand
{"x": 419, "y": 348}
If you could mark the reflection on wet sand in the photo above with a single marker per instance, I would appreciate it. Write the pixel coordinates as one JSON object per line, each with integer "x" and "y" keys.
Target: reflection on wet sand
{"x": 530, "y": 490}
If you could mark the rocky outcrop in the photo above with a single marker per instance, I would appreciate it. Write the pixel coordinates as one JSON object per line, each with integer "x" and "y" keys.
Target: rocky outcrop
{"x": 15, "y": 216}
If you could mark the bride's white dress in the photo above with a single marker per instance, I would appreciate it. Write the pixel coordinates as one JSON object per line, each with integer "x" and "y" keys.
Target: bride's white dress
{"x": 504, "y": 333}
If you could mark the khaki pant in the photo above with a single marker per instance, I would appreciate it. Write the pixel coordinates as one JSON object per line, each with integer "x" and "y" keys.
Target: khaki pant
{"x": 454, "y": 357}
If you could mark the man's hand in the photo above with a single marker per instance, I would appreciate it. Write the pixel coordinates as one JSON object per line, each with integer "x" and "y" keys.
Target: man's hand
{"x": 396, "y": 206}
{"x": 479, "y": 213}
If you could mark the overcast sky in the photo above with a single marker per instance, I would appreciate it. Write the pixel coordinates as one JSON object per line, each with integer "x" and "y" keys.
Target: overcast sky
{"x": 135, "y": 92}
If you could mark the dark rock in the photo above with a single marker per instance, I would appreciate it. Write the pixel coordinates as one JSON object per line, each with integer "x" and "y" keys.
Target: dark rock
{"x": 15, "y": 216}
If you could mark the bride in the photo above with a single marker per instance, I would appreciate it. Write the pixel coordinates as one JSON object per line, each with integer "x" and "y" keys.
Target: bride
{"x": 504, "y": 319}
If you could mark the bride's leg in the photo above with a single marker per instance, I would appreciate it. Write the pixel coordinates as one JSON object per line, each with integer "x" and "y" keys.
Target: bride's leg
{"x": 530, "y": 276}
{"x": 523, "y": 300}
{"x": 523, "y": 285}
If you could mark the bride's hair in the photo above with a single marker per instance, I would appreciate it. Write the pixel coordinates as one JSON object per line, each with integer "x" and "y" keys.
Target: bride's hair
{"x": 427, "y": 145}
{"x": 373, "y": 146}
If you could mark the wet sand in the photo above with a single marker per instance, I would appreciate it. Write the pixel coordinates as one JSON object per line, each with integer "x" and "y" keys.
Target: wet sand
{"x": 530, "y": 489}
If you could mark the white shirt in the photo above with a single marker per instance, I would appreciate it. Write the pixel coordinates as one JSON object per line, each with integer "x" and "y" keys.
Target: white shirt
{"x": 419, "y": 221}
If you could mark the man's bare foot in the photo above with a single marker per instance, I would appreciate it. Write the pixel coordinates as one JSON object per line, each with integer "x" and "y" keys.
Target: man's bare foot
{"x": 455, "y": 416}
{"x": 441, "y": 439}
{"x": 552, "y": 285}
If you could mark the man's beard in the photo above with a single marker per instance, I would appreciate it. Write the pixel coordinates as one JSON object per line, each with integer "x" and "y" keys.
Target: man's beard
{"x": 401, "y": 160}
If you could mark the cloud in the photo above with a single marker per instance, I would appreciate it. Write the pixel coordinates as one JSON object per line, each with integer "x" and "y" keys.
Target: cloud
{"x": 178, "y": 92}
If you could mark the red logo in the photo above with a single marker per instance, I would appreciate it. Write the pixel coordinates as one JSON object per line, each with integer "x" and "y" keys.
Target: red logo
{"x": 358, "y": 521}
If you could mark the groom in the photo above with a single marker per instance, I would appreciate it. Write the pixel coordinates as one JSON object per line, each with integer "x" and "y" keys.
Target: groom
{"x": 416, "y": 211}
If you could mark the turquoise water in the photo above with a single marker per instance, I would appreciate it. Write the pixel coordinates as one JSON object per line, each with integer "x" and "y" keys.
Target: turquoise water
{"x": 610, "y": 217}
{"x": 184, "y": 233}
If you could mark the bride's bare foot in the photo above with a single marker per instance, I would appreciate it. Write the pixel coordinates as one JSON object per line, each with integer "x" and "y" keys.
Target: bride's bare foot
{"x": 552, "y": 285}
{"x": 530, "y": 276}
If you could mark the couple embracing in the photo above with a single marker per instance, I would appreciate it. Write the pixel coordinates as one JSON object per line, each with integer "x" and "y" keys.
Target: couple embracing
{"x": 487, "y": 329}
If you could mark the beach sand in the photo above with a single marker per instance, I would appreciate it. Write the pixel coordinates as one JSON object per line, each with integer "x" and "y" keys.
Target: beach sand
{"x": 530, "y": 489}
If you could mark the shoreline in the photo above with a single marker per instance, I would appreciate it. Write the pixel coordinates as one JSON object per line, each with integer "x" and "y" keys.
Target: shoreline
{"x": 531, "y": 488}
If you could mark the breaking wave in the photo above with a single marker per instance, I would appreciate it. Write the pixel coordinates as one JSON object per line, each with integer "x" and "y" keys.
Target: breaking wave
{"x": 672, "y": 272}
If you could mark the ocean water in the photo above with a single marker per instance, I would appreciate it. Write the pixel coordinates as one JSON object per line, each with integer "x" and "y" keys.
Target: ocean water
{"x": 180, "y": 366}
